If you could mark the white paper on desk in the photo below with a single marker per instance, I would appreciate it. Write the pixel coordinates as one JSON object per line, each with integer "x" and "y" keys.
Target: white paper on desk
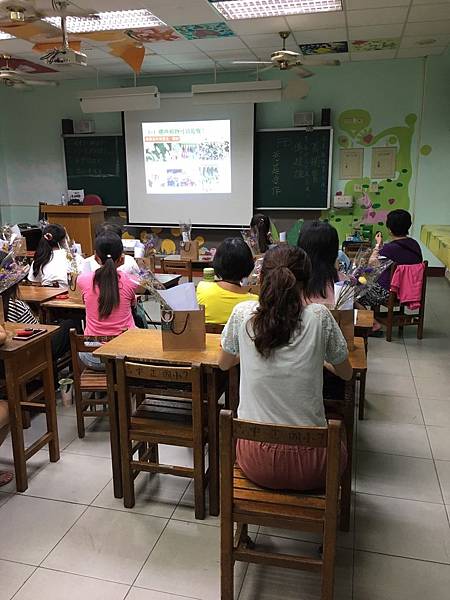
{"x": 181, "y": 297}
{"x": 348, "y": 304}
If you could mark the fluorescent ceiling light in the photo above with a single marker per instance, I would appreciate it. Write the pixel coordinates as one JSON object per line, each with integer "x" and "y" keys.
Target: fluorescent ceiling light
{"x": 252, "y": 9}
{"x": 5, "y": 36}
{"x": 109, "y": 21}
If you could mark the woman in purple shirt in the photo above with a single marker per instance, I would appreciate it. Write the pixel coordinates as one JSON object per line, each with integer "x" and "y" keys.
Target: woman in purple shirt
{"x": 402, "y": 250}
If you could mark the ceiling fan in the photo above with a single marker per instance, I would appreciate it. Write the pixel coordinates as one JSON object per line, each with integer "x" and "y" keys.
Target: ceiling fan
{"x": 16, "y": 79}
{"x": 20, "y": 12}
{"x": 285, "y": 60}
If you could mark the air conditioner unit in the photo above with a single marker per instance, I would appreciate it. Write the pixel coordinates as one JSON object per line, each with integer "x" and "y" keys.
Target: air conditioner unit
{"x": 237, "y": 92}
{"x": 303, "y": 119}
{"x": 120, "y": 99}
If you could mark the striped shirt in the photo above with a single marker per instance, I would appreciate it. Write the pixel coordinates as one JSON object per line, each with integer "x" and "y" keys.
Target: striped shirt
{"x": 20, "y": 312}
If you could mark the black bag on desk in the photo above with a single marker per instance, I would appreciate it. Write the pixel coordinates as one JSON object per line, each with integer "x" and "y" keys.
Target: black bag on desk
{"x": 139, "y": 316}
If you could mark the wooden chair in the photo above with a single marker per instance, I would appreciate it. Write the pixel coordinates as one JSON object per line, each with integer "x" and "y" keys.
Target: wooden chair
{"x": 395, "y": 315}
{"x": 242, "y": 502}
{"x": 232, "y": 388}
{"x": 88, "y": 381}
{"x": 170, "y": 411}
{"x": 177, "y": 267}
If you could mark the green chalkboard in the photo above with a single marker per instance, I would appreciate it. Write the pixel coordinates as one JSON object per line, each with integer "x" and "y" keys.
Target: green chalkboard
{"x": 293, "y": 168}
{"x": 96, "y": 163}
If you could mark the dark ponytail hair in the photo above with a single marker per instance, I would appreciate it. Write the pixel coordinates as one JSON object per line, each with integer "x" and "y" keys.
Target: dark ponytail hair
{"x": 320, "y": 241}
{"x": 285, "y": 273}
{"x": 108, "y": 249}
{"x": 52, "y": 235}
{"x": 260, "y": 224}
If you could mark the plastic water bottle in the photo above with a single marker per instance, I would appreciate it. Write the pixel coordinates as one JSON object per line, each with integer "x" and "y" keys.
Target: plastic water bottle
{"x": 63, "y": 199}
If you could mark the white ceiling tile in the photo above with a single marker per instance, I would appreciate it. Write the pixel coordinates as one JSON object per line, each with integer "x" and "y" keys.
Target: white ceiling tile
{"x": 416, "y": 52}
{"x": 379, "y": 55}
{"x": 202, "y": 62}
{"x": 268, "y": 40}
{"x": 416, "y": 41}
{"x": 169, "y": 68}
{"x": 220, "y": 43}
{"x": 14, "y": 46}
{"x": 187, "y": 57}
{"x": 177, "y": 47}
{"x": 375, "y": 31}
{"x": 341, "y": 56}
{"x": 154, "y": 60}
{"x": 428, "y": 28}
{"x": 429, "y": 12}
{"x": 320, "y": 35}
{"x": 427, "y": 2}
{"x": 357, "y": 4}
{"x": 377, "y": 16}
{"x": 254, "y": 26}
{"x": 233, "y": 54}
{"x": 324, "y": 20}
{"x": 180, "y": 12}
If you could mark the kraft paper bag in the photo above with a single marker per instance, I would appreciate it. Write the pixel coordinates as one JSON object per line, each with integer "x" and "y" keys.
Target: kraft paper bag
{"x": 186, "y": 331}
{"x": 189, "y": 250}
{"x": 346, "y": 321}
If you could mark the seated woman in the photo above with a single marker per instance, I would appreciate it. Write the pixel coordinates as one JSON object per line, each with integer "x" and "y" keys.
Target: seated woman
{"x": 320, "y": 241}
{"x": 403, "y": 250}
{"x": 260, "y": 226}
{"x": 282, "y": 345}
{"x": 108, "y": 294}
{"x": 5, "y": 476}
{"x": 233, "y": 262}
{"x": 51, "y": 265}
{"x": 129, "y": 265}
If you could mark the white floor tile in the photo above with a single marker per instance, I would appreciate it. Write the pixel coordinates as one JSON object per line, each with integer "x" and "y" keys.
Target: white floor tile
{"x": 186, "y": 561}
{"x": 381, "y": 577}
{"x": 431, "y": 369}
{"x": 107, "y": 544}
{"x": 95, "y": 443}
{"x": 141, "y": 594}
{"x": 54, "y": 585}
{"x": 393, "y": 409}
{"x": 34, "y": 464}
{"x": 272, "y": 583}
{"x": 156, "y": 495}
{"x": 33, "y": 527}
{"x": 74, "y": 478}
{"x": 436, "y": 411}
{"x": 4, "y": 497}
{"x": 397, "y": 477}
{"x": 393, "y": 438}
{"x": 402, "y": 528}
{"x": 443, "y": 469}
{"x": 12, "y": 576}
{"x": 185, "y": 510}
{"x": 378, "y": 363}
{"x": 436, "y": 387}
{"x": 440, "y": 442}
{"x": 394, "y": 349}
{"x": 390, "y": 384}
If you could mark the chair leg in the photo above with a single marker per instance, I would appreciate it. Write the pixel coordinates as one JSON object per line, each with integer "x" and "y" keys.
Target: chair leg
{"x": 329, "y": 557}
{"x": 199, "y": 481}
{"x": 362, "y": 394}
{"x": 127, "y": 476}
{"x": 26, "y": 419}
{"x": 389, "y": 328}
{"x": 420, "y": 327}
{"x": 400, "y": 327}
{"x": 79, "y": 411}
{"x": 226, "y": 562}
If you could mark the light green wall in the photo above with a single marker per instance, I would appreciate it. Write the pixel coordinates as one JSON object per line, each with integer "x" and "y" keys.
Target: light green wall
{"x": 32, "y": 169}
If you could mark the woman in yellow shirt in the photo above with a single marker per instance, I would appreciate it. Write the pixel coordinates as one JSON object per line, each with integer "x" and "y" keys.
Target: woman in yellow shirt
{"x": 233, "y": 262}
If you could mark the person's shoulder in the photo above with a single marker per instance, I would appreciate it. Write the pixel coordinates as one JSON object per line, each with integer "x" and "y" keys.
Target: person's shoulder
{"x": 245, "y": 308}
{"x": 84, "y": 279}
{"x": 207, "y": 288}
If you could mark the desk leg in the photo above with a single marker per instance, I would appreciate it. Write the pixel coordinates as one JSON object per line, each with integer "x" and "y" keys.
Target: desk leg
{"x": 50, "y": 397}
{"x": 213, "y": 441}
{"x": 13, "y": 392}
{"x": 346, "y": 490}
{"x": 114, "y": 430}
{"x": 362, "y": 394}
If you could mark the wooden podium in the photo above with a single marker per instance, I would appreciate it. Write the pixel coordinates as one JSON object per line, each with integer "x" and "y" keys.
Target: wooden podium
{"x": 79, "y": 221}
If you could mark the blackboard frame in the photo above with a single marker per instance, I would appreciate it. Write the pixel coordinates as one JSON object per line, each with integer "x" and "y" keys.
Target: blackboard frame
{"x": 330, "y": 168}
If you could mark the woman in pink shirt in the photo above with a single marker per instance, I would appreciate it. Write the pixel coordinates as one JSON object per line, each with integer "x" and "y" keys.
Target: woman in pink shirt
{"x": 108, "y": 294}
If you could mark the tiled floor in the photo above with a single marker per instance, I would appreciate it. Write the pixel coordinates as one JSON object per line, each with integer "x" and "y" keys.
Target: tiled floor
{"x": 67, "y": 537}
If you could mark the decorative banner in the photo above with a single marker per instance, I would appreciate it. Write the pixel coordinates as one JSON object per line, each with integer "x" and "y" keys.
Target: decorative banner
{"x": 204, "y": 30}
{"x": 374, "y": 45}
{"x": 154, "y": 34}
{"x": 324, "y": 48}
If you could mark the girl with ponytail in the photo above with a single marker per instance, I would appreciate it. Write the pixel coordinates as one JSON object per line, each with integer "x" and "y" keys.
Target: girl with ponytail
{"x": 108, "y": 294}
{"x": 51, "y": 264}
{"x": 282, "y": 345}
{"x": 260, "y": 225}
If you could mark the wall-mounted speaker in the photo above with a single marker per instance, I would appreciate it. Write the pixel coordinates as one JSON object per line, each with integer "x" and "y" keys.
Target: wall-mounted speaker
{"x": 326, "y": 117}
{"x": 67, "y": 126}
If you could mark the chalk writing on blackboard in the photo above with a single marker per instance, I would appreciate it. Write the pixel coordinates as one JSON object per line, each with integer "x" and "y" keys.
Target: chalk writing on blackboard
{"x": 92, "y": 157}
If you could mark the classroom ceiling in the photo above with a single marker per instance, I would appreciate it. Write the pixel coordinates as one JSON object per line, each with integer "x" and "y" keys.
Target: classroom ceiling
{"x": 191, "y": 36}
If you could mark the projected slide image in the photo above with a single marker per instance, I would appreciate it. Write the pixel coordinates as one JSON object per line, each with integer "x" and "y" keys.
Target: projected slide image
{"x": 191, "y": 157}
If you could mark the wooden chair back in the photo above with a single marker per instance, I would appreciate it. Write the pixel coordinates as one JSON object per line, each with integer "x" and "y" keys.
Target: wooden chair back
{"x": 161, "y": 405}
{"x": 244, "y": 503}
{"x": 214, "y": 327}
{"x": 177, "y": 267}
{"x": 396, "y": 317}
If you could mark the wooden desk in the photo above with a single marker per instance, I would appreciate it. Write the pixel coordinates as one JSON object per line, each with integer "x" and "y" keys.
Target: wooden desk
{"x": 75, "y": 304}
{"x": 363, "y": 326}
{"x": 35, "y": 296}
{"x": 146, "y": 345}
{"x": 24, "y": 361}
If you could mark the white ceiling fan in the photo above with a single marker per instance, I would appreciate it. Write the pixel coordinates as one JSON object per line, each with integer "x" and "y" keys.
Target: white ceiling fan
{"x": 18, "y": 12}
{"x": 16, "y": 79}
{"x": 285, "y": 60}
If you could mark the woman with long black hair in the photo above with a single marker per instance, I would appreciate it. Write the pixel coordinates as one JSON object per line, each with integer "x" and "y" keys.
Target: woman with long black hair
{"x": 282, "y": 345}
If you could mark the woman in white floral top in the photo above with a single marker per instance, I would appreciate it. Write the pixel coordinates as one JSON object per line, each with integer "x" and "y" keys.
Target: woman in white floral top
{"x": 282, "y": 346}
